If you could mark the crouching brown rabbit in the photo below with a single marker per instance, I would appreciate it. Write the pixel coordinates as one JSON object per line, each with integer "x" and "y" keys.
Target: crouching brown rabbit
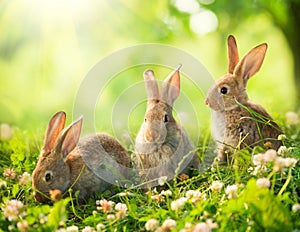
{"x": 81, "y": 164}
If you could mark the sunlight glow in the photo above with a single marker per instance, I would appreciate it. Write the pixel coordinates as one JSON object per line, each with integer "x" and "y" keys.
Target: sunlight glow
{"x": 187, "y": 6}
{"x": 203, "y": 22}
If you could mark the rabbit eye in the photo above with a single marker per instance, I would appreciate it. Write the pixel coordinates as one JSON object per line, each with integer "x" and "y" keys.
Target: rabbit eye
{"x": 48, "y": 176}
{"x": 224, "y": 90}
{"x": 166, "y": 118}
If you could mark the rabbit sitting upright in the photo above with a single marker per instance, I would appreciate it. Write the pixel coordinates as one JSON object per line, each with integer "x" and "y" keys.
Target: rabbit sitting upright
{"x": 67, "y": 162}
{"x": 162, "y": 145}
{"x": 238, "y": 122}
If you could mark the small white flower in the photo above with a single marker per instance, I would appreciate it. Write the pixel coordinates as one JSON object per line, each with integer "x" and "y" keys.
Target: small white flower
{"x": 216, "y": 186}
{"x": 258, "y": 159}
{"x": 162, "y": 180}
{"x": 151, "y": 225}
{"x": 290, "y": 162}
{"x": 166, "y": 193}
{"x": 270, "y": 155}
{"x": 263, "y": 183}
{"x": 211, "y": 224}
{"x": 296, "y": 207}
{"x": 281, "y": 137}
{"x": 25, "y": 178}
{"x": 292, "y": 118}
{"x": 231, "y": 191}
{"x": 283, "y": 150}
{"x": 88, "y": 229}
{"x": 105, "y": 205}
{"x": 111, "y": 217}
{"x": 13, "y": 210}
{"x": 121, "y": 208}
{"x": 201, "y": 227}
{"x": 22, "y": 226}
{"x": 72, "y": 229}
{"x": 179, "y": 203}
{"x": 168, "y": 225}
{"x": 100, "y": 227}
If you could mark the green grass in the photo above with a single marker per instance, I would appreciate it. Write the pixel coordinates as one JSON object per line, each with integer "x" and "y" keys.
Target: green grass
{"x": 177, "y": 205}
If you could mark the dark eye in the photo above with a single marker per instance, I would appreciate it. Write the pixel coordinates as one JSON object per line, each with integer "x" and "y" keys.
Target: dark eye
{"x": 48, "y": 176}
{"x": 166, "y": 118}
{"x": 224, "y": 90}
{"x": 145, "y": 119}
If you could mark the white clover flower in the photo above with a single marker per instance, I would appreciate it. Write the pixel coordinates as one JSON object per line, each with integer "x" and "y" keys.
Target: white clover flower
{"x": 100, "y": 227}
{"x": 162, "y": 180}
{"x": 88, "y": 229}
{"x": 151, "y": 225}
{"x": 292, "y": 118}
{"x": 201, "y": 227}
{"x": 166, "y": 193}
{"x": 13, "y": 209}
{"x": 61, "y": 230}
{"x": 290, "y": 162}
{"x": 282, "y": 163}
{"x": 111, "y": 217}
{"x": 121, "y": 208}
{"x": 179, "y": 203}
{"x": 283, "y": 150}
{"x": 258, "y": 159}
{"x": 263, "y": 183}
{"x": 216, "y": 186}
{"x": 296, "y": 207}
{"x": 25, "y": 178}
{"x": 211, "y": 224}
{"x": 72, "y": 229}
{"x": 270, "y": 155}
{"x": 105, "y": 205}
{"x": 231, "y": 191}
{"x": 281, "y": 137}
{"x": 168, "y": 225}
{"x": 9, "y": 174}
{"x": 23, "y": 226}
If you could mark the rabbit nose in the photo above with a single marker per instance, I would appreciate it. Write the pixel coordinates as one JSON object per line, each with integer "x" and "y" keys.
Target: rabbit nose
{"x": 206, "y": 102}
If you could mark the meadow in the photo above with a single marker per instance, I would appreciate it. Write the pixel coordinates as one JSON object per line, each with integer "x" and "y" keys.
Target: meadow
{"x": 262, "y": 194}
{"x": 69, "y": 55}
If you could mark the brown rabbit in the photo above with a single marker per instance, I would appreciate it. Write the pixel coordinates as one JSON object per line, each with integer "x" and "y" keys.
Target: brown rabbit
{"x": 238, "y": 122}
{"x": 162, "y": 143}
{"x": 66, "y": 163}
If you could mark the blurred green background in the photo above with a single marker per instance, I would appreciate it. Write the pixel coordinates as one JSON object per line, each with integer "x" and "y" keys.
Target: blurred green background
{"x": 48, "y": 46}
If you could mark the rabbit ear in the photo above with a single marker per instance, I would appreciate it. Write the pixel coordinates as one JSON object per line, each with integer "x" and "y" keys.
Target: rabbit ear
{"x": 233, "y": 55}
{"x": 151, "y": 84}
{"x": 171, "y": 86}
{"x": 55, "y": 126}
{"x": 69, "y": 138}
{"x": 251, "y": 63}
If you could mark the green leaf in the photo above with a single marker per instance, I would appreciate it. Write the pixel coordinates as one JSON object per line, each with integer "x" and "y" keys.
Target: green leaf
{"x": 58, "y": 214}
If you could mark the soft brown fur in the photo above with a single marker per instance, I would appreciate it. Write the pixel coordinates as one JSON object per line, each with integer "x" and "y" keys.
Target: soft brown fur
{"x": 233, "y": 125}
{"x": 70, "y": 164}
{"x": 161, "y": 142}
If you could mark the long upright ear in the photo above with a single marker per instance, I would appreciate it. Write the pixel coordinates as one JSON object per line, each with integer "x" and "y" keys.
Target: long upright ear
{"x": 69, "y": 138}
{"x": 151, "y": 84}
{"x": 251, "y": 63}
{"x": 233, "y": 55}
{"x": 55, "y": 126}
{"x": 170, "y": 89}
